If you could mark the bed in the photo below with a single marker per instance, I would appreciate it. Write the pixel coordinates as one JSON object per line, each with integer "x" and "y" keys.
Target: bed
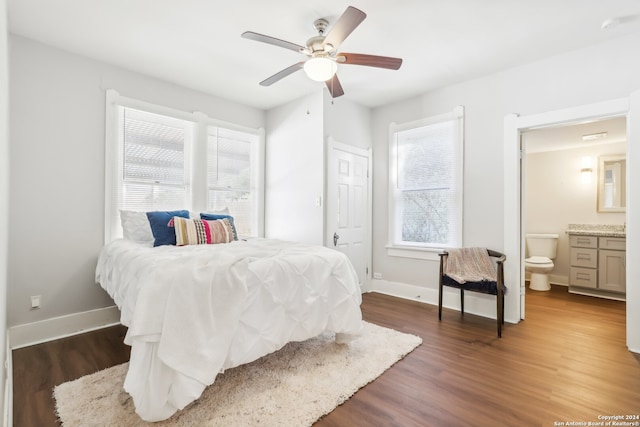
{"x": 194, "y": 311}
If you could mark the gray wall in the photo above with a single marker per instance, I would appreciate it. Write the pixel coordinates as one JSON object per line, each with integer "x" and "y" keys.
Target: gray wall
{"x": 551, "y": 84}
{"x": 57, "y": 176}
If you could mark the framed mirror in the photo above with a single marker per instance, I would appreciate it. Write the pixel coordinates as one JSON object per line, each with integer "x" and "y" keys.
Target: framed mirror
{"x": 612, "y": 188}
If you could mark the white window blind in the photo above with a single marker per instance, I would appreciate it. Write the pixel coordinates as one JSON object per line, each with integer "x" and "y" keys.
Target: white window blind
{"x": 160, "y": 158}
{"x": 155, "y": 167}
{"x": 231, "y": 176}
{"x": 426, "y": 183}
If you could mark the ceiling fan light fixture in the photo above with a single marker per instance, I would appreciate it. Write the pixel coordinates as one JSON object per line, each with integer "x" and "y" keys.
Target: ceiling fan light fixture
{"x": 320, "y": 68}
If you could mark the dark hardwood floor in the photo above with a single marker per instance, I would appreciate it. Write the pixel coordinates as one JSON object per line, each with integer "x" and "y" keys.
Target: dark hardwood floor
{"x": 567, "y": 362}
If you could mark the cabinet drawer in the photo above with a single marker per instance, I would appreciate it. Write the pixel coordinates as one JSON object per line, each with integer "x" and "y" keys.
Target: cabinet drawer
{"x": 583, "y": 241}
{"x": 584, "y": 257}
{"x": 613, "y": 243}
{"x": 583, "y": 277}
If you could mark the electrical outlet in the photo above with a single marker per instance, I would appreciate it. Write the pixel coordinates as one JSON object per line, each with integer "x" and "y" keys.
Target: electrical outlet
{"x": 35, "y": 301}
{"x": 377, "y": 275}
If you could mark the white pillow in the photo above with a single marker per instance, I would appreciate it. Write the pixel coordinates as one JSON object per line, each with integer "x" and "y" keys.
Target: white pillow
{"x": 135, "y": 226}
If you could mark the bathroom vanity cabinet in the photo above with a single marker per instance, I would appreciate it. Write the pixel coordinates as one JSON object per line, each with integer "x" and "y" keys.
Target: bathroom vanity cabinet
{"x": 598, "y": 265}
{"x": 612, "y": 264}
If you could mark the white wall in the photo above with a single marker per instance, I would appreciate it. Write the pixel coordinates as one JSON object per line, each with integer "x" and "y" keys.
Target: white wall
{"x": 557, "y": 82}
{"x": 347, "y": 122}
{"x": 633, "y": 225}
{"x": 555, "y": 196}
{"x": 296, "y": 138}
{"x": 57, "y": 171}
{"x": 294, "y": 175}
{"x": 4, "y": 194}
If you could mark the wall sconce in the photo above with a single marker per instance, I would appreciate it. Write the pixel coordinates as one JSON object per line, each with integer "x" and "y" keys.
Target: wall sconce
{"x": 586, "y": 171}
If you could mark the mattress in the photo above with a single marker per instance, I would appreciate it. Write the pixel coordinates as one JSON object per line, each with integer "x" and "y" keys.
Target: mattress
{"x": 194, "y": 311}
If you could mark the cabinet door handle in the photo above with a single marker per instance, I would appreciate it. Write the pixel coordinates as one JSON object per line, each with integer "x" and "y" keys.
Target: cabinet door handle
{"x": 584, "y": 257}
{"x": 582, "y": 276}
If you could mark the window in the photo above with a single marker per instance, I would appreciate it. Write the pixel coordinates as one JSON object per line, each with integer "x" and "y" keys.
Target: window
{"x": 231, "y": 176}
{"x": 154, "y": 172}
{"x": 425, "y": 174}
{"x": 162, "y": 159}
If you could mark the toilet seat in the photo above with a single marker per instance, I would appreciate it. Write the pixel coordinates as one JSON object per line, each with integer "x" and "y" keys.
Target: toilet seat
{"x": 538, "y": 260}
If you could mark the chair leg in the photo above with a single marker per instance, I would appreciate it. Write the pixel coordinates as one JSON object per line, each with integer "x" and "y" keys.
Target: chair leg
{"x": 440, "y": 300}
{"x": 500, "y": 312}
{"x": 461, "y": 302}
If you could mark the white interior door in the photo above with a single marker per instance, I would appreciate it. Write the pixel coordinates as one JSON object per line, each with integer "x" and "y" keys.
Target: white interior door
{"x": 349, "y": 204}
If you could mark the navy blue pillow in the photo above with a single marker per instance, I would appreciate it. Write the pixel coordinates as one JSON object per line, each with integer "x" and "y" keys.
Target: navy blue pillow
{"x": 213, "y": 217}
{"x": 162, "y": 233}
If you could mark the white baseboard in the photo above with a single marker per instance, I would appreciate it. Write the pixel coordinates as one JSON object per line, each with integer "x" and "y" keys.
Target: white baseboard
{"x": 474, "y": 303}
{"x": 63, "y": 326}
{"x": 406, "y": 291}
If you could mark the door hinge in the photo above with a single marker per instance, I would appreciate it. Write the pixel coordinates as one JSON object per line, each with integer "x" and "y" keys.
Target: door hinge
{"x": 366, "y": 270}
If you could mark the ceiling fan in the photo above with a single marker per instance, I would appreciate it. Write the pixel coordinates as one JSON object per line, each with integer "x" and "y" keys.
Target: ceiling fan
{"x": 322, "y": 52}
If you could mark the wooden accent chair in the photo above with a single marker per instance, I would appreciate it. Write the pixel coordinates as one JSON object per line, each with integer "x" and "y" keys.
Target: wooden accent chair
{"x": 496, "y": 287}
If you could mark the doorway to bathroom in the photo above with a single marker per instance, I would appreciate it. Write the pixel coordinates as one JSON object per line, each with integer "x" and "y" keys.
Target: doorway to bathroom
{"x": 514, "y": 242}
{"x": 569, "y": 188}
{"x": 566, "y": 180}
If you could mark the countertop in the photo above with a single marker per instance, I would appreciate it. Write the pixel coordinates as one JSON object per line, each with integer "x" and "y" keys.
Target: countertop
{"x": 603, "y": 230}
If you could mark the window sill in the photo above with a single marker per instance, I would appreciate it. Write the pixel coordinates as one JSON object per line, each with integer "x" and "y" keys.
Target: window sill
{"x": 430, "y": 254}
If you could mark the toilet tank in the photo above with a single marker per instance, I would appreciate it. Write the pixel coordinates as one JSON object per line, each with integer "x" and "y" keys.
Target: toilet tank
{"x": 542, "y": 245}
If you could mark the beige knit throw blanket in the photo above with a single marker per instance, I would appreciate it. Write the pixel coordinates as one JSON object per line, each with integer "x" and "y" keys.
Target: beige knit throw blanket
{"x": 470, "y": 265}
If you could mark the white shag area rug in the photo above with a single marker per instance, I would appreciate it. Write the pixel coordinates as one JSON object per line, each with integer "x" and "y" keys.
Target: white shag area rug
{"x": 294, "y": 386}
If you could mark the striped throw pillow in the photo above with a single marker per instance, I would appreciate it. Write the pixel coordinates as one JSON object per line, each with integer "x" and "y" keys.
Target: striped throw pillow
{"x": 200, "y": 232}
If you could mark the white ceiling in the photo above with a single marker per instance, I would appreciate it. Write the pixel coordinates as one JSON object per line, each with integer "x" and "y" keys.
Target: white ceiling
{"x": 570, "y": 136}
{"x": 197, "y": 43}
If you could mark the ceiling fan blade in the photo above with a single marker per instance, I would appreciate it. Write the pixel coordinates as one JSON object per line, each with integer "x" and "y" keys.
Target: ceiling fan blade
{"x": 344, "y": 26}
{"x": 334, "y": 86}
{"x": 272, "y": 40}
{"x": 370, "y": 60}
{"x": 282, "y": 74}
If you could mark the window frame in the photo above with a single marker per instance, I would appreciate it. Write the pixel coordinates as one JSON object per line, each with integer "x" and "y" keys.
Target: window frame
{"x": 415, "y": 249}
{"x": 257, "y": 167}
{"x": 195, "y": 159}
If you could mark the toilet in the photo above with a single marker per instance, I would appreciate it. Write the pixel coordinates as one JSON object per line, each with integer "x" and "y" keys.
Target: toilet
{"x": 542, "y": 251}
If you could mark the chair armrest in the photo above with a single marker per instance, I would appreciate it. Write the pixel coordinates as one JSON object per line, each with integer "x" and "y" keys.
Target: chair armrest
{"x": 501, "y": 257}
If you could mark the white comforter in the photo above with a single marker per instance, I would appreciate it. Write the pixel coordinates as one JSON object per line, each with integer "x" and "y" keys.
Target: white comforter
{"x": 194, "y": 311}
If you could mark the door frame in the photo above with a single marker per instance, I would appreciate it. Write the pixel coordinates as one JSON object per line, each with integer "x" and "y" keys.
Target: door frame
{"x": 514, "y": 231}
{"x": 332, "y": 147}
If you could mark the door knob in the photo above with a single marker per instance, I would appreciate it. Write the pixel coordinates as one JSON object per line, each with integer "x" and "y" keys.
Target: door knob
{"x": 335, "y": 239}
